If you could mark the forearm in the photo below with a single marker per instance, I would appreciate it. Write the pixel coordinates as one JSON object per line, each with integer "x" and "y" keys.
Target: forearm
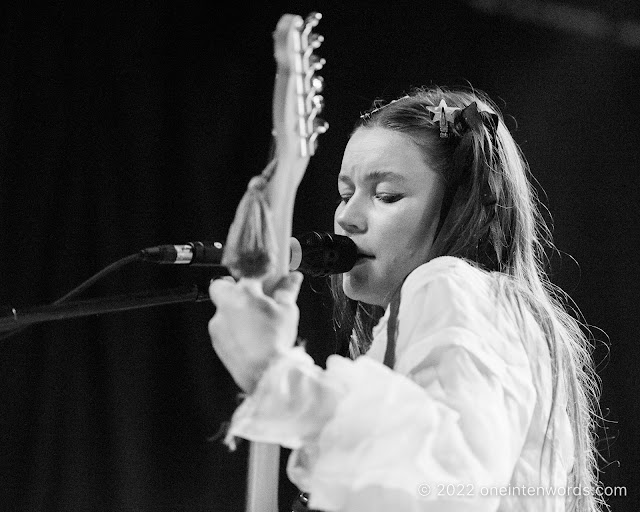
{"x": 290, "y": 405}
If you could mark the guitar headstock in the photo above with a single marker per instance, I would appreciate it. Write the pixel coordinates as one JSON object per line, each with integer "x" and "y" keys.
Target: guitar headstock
{"x": 258, "y": 240}
{"x": 297, "y": 100}
{"x": 296, "y": 105}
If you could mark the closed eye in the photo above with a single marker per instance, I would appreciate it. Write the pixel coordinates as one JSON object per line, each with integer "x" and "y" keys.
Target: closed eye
{"x": 388, "y": 198}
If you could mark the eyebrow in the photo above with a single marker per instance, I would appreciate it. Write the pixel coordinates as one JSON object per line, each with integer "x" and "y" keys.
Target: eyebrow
{"x": 375, "y": 176}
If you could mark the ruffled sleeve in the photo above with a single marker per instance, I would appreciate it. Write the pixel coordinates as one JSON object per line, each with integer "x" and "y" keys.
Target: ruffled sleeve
{"x": 450, "y": 420}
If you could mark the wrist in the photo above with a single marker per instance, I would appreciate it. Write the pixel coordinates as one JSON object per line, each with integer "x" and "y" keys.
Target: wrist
{"x": 250, "y": 378}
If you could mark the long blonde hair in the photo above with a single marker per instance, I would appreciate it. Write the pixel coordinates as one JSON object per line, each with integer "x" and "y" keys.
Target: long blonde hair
{"x": 508, "y": 239}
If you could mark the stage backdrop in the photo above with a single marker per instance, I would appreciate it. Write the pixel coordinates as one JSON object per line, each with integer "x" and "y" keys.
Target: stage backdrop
{"x": 131, "y": 124}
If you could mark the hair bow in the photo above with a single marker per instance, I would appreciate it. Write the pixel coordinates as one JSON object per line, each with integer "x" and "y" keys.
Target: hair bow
{"x": 474, "y": 119}
{"x": 470, "y": 116}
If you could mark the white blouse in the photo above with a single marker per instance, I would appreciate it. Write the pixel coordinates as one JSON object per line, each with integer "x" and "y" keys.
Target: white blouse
{"x": 458, "y": 425}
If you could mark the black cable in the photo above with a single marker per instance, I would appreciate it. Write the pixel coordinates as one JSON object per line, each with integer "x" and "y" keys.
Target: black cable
{"x": 105, "y": 271}
{"x": 109, "y": 269}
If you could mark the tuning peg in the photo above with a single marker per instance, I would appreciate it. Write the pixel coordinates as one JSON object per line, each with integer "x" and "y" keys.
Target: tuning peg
{"x": 313, "y": 19}
{"x": 314, "y": 104}
{"x": 313, "y": 83}
{"x": 318, "y": 102}
{"x": 316, "y": 63}
{"x": 320, "y": 125}
{"x": 315, "y": 124}
{"x": 309, "y": 24}
{"x": 317, "y": 82}
{"x": 315, "y": 40}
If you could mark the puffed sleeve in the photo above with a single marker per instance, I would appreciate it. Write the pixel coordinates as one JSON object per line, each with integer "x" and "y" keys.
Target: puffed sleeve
{"x": 452, "y": 418}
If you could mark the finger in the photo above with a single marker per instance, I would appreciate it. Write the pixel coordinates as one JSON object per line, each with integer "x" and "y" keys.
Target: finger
{"x": 219, "y": 289}
{"x": 216, "y": 334}
{"x": 253, "y": 286}
{"x": 289, "y": 288}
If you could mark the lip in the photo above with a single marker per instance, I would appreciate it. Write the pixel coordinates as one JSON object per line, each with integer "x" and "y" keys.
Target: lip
{"x": 362, "y": 257}
{"x": 361, "y": 252}
{"x": 359, "y": 261}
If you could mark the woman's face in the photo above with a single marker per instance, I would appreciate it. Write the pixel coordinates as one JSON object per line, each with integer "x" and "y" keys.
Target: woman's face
{"x": 390, "y": 208}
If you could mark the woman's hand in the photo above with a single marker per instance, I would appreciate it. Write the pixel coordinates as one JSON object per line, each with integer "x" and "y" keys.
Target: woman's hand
{"x": 249, "y": 329}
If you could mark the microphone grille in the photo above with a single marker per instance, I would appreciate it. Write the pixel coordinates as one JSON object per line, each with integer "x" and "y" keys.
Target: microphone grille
{"x": 324, "y": 254}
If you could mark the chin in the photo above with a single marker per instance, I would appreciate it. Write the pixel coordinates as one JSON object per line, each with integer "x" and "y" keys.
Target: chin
{"x": 360, "y": 291}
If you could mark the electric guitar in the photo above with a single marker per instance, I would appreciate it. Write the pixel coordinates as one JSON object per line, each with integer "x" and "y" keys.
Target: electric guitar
{"x": 296, "y": 126}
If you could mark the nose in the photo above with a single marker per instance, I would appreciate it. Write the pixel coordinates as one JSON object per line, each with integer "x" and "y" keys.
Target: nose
{"x": 351, "y": 217}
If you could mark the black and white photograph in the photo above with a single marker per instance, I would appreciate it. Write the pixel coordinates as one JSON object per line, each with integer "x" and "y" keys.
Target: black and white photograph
{"x": 320, "y": 256}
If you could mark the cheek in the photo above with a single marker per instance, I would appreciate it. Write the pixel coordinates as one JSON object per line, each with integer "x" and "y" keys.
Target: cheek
{"x": 410, "y": 238}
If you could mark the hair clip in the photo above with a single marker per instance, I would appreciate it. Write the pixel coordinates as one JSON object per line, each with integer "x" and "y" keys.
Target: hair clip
{"x": 371, "y": 112}
{"x": 445, "y": 115}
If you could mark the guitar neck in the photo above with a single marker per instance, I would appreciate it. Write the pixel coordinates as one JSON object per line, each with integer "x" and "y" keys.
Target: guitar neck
{"x": 296, "y": 104}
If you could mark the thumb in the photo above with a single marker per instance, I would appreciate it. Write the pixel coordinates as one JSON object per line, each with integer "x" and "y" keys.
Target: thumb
{"x": 288, "y": 288}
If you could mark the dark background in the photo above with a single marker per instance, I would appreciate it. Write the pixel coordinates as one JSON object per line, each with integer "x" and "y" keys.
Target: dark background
{"x": 132, "y": 124}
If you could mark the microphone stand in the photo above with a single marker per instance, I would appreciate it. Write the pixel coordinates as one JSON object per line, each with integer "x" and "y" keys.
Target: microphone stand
{"x": 18, "y": 319}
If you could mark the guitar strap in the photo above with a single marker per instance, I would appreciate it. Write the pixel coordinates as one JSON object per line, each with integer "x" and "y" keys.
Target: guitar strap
{"x": 392, "y": 328}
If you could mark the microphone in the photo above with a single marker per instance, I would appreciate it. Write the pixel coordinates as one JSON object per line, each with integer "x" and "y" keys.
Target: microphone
{"x": 316, "y": 253}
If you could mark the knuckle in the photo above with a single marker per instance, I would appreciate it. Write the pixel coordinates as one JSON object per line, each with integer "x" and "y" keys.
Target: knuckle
{"x": 213, "y": 329}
